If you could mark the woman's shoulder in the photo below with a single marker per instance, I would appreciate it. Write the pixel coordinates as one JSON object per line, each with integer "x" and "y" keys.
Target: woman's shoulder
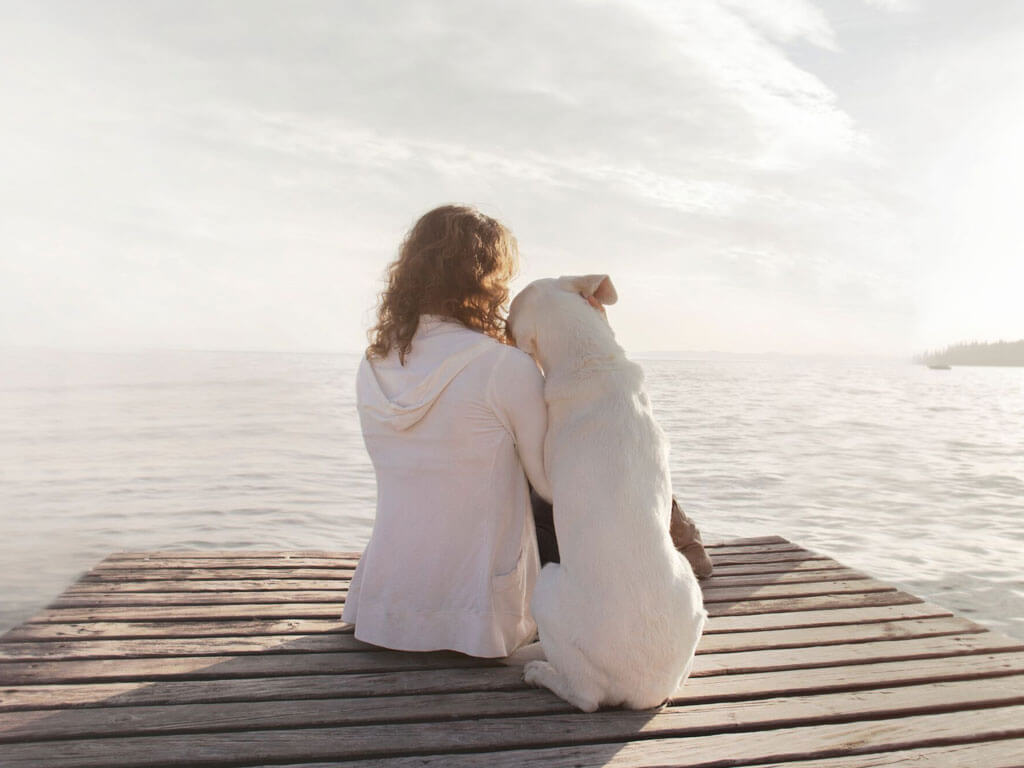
{"x": 513, "y": 374}
{"x": 510, "y": 357}
{"x": 364, "y": 368}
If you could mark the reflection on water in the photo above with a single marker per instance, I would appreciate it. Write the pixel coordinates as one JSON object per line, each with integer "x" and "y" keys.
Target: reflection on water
{"x": 912, "y": 475}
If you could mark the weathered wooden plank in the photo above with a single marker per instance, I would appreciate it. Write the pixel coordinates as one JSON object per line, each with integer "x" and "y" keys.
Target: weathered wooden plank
{"x": 755, "y": 555}
{"x": 141, "y": 629}
{"x": 813, "y": 603}
{"x": 253, "y": 573}
{"x": 720, "y": 593}
{"x": 333, "y": 597}
{"x": 648, "y": 736}
{"x": 62, "y": 696}
{"x": 215, "y": 554}
{"x": 847, "y": 677}
{"x": 328, "y": 610}
{"x": 713, "y": 593}
{"x": 746, "y": 541}
{"x": 224, "y": 667}
{"x": 802, "y": 637}
{"x": 200, "y": 585}
{"x": 447, "y": 721}
{"x": 215, "y": 574}
{"x": 233, "y": 562}
{"x": 228, "y": 628}
{"x": 271, "y": 558}
{"x": 221, "y": 554}
{"x": 765, "y": 659}
{"x": 792, "y": 566}
{"x": 105, "y": 721}
{"x": 798, "y": 555}
{"x": 1004, "y": 753}
{"x": 338, "y": 642}
{"x": 784, "y": 577}
{"x": 152, "y": 647}
{"x": 191, "y": 613}
{"x": 259, "y": 585}
{"x": 732, "y": 549}
{"x": 823, "y": 618}
{"x": 731, "y": 687}
{"x": 287, "y": 664}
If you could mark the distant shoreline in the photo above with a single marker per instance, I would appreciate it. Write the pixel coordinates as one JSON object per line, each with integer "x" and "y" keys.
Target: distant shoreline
{"x": 1008, "y": 354}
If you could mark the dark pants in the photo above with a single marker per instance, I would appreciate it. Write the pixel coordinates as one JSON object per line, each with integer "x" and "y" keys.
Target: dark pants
{"x": 544, "y": 521}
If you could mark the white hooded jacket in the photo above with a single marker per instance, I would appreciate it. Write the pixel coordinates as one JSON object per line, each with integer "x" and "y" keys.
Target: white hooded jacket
{"x": 453, "y": 435}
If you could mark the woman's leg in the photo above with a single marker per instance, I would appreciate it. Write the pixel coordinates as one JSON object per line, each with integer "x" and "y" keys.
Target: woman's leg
{"x": 544, "y": 522}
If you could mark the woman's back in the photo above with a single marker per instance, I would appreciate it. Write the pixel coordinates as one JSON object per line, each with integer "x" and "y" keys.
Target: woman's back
{"x": 453, "y": 556}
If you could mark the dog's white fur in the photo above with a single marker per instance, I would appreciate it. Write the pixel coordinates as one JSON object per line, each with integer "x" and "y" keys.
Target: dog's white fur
{"x": 619, "y": 619}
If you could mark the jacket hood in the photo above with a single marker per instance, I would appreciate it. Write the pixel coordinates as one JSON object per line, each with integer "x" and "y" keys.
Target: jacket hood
{"x": 414, "y": 388}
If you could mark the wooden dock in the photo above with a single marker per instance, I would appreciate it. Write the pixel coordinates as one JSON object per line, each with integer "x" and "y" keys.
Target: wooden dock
{"x": 239, "y": 659}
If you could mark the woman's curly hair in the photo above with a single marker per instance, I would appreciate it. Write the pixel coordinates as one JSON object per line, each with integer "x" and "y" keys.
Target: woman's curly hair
{"x": 455, "y": 262}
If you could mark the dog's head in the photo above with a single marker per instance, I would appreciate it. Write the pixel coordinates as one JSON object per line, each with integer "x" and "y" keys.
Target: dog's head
{"x": 547, "y": 310}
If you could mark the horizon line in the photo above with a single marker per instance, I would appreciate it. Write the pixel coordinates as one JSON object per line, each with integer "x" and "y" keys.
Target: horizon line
{"x": 339, "y": 351}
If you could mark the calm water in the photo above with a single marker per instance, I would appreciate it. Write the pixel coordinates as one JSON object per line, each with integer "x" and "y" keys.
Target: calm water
{"x": 912, "y": 475}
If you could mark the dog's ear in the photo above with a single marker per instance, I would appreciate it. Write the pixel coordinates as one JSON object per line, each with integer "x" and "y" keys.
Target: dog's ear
{"x": 522, "y": 333}
{"x": 598, "y": 286}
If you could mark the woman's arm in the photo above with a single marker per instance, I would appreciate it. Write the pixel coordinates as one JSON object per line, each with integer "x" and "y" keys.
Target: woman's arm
{"x": 518, "y": 391}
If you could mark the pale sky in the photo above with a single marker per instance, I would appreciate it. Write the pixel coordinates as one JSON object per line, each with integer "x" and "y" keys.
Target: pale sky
{"x": 755, "y": 175}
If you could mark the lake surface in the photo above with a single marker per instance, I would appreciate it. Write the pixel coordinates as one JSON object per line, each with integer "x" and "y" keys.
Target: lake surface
{"x": 912, "y": 475}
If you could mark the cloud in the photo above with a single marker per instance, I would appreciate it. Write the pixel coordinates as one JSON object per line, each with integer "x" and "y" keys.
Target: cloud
{"x": 895, "y": 6}
{"x": 788, "y": 20}
{"x": 220, "y": 158}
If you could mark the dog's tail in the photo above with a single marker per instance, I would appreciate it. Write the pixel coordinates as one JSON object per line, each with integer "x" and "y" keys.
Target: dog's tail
{"x": 531, "y": 652}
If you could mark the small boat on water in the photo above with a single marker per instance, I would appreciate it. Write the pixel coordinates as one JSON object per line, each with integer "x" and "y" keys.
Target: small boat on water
{"x": 939, "y": 366}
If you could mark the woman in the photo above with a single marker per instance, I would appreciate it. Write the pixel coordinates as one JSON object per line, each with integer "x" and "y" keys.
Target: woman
{"x": 454, "y": 421}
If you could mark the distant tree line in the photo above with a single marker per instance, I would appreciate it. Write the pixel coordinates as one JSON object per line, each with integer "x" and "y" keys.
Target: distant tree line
{"x": 976, "y": 353}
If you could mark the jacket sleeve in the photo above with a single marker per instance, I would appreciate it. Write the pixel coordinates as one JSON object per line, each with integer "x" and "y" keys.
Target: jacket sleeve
{"x": 517, "y": 390}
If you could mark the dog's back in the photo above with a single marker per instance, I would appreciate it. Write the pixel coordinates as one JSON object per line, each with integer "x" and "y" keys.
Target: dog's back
{"x": 639, "y": 608}
{"x": 621, "y": 616}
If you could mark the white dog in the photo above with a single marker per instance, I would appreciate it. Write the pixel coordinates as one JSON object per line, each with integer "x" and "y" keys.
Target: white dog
{"x": 620, "y": 617}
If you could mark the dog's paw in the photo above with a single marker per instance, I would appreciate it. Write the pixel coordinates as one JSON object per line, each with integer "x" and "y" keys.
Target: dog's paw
{"x": 533, "y": 672}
